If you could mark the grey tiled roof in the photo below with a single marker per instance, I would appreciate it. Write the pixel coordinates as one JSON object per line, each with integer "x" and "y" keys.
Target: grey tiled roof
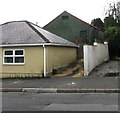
{"x": 24, "y": 32}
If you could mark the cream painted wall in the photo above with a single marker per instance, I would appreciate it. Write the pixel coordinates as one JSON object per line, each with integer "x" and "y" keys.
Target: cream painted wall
{"x": 0, "y": 62}
{"x": 58, "y": 57}
{"x": 33, "y": 62}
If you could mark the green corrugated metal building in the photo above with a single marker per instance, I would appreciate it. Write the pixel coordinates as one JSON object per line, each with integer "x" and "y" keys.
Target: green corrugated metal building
{"x": 74, "y": 29}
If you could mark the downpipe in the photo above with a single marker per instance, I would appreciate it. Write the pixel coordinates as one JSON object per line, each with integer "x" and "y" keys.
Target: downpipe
{"x": 44, "y": 53}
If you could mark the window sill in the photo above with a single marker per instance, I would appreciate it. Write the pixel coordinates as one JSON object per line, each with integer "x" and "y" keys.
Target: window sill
{"x": 14, "y": 64}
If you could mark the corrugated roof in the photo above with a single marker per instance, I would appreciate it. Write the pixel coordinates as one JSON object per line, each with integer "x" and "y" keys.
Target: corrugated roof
{"x": 24, "y": 32}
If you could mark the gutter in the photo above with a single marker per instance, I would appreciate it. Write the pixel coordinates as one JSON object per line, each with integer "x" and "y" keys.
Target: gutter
{"x": 44, "y": 62}
{"x": 38, "y": 44}
{"x": 59, "y": 90}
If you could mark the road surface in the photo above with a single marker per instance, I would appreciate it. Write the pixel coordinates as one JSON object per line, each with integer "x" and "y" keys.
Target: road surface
{"x": 59, "y": 102}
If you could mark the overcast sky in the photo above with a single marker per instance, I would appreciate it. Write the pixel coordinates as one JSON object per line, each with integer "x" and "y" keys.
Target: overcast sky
{"x": 43, "y": 11}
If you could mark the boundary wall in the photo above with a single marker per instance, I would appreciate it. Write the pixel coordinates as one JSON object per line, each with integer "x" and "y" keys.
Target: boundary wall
{"x": 94, "y": 56}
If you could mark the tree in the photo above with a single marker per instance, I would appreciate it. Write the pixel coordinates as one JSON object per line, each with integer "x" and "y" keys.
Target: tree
{"x": 98, "y": 23}
{"x": 113, "y": 12}
{"x": 112, "y": 35}
{"x": 110, "y": 22}
{"x": 112, "y": 28}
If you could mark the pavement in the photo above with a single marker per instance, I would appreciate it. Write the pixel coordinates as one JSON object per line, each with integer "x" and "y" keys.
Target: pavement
{"x": 96, "y": 82}
{"x": 65, "y": 84}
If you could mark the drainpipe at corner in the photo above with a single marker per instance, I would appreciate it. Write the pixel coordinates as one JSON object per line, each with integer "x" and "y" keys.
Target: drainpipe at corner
{"x": 44, "y": 53}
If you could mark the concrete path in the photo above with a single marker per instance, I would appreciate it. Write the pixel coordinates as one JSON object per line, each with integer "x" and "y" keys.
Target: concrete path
{"x": 105, "y": 68}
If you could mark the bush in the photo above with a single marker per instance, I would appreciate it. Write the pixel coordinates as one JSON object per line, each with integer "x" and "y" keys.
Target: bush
{"x": 112, "y": 35}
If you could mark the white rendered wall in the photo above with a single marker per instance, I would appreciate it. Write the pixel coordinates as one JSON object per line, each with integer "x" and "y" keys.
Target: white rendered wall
{"x": 94, "y": 55}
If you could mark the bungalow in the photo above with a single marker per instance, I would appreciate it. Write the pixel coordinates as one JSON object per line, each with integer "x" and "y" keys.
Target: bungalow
{"x": 27, "y": 50}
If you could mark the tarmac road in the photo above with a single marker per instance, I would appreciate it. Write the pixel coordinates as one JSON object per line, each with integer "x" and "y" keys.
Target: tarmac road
{"x": 59, "y": 102}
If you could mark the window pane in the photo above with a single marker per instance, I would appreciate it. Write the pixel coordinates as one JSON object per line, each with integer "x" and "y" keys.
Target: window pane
{"x": 9, "y": 52}
{"x": 83, "y": 34}
{"x": 18, "y": 52}
{"x": 19, "y": 59}
{"x": 8, "y": 60}
{"x": 64, "y": 17}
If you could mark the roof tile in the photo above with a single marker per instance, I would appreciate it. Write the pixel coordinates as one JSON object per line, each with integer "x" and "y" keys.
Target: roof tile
{"x": 24, "y": 32}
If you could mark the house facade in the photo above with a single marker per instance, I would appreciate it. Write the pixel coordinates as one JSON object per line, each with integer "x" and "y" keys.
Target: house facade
{"x": 27, "y": 50}
{"x": 74, "y": 29}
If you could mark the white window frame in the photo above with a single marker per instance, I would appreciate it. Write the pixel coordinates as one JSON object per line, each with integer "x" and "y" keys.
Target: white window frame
{"x": 14, "y": 56}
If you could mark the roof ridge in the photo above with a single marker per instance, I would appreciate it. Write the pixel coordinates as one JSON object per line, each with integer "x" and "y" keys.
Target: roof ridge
{"x": 82, "y": 20}
{"x": 54, "y": 19}
{"x": 73, "y": 16}
{"x": 13, "y": 21}
{"x": 42, "y": 36}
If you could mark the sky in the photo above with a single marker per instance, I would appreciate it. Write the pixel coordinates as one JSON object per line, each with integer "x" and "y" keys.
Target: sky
{"x": 44, "y": 11}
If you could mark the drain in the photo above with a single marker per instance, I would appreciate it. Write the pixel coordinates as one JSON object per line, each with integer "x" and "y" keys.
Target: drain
{"x": 112, "y": 74}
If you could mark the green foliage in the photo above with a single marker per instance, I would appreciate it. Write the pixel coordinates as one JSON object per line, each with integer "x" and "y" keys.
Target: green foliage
{"x": 112, "y": 35}
{"x": 113, "y": 11}
{"x": 98, "y": 23}
{"x": 110, "y": 22}
{"x": 112, "y": 28}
